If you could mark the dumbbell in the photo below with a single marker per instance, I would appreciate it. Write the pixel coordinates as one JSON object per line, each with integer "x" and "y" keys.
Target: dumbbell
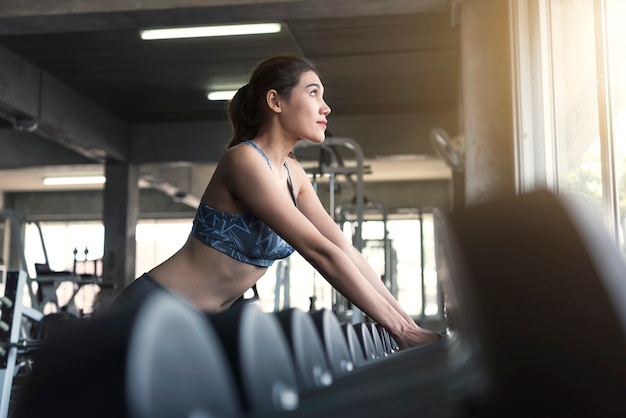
{"x": 334, "y": 342}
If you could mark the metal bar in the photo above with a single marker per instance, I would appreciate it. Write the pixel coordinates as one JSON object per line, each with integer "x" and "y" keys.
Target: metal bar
{"x": 279, "y": 285}
{"x": 16, "y": 229}
{"x": 287, "y": 285}
{"x": 43, "y": 243}
{"x": 331, "y": 197}
{"x": 422, "y": 278}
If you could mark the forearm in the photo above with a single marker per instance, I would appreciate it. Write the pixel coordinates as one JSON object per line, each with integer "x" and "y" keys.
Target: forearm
{"x": 374, "y": 279}
{"x": 407, "y": 335}
{"x": 346, "y": 278}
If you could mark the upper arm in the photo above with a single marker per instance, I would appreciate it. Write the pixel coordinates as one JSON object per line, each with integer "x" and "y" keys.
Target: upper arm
{"x": 310, "y": 205}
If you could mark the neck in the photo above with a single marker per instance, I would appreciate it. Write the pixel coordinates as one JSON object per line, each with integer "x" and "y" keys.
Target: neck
{"x": 276, "y": 147}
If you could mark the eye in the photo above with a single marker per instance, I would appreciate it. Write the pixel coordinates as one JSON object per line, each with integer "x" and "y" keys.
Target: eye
{"x": 313, "y": 92}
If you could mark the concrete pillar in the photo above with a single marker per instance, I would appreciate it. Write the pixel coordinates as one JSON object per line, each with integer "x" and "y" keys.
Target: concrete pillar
{"x": 12, "y": 246}
{"x": 486, "y": 95}
{"x": 120, "y": 212}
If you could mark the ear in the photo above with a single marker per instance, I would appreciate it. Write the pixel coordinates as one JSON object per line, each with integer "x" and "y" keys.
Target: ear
{"x": 273, "y": 101}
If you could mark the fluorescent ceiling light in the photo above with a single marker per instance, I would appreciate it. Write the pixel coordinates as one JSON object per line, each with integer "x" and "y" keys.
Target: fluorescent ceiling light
{"x": 72, "y": 180}
{"x": 204, "y": 31}
{"x": 221, "y": 95}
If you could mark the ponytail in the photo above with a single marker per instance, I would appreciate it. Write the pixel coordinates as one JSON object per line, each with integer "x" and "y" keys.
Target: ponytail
{"x": 244, "y": 127}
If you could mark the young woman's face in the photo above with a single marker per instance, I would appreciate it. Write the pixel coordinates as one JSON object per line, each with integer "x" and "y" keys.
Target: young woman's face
{"x": 304, "y": 114}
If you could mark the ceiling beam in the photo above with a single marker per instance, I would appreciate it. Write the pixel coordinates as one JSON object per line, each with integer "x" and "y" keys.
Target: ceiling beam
{"x": 18, "y": 17}
{"x": 24, "y": 150}
{"x": 34, "y": 101}
{"x": 53, "y": 205}
{"x": 194, "y": 142}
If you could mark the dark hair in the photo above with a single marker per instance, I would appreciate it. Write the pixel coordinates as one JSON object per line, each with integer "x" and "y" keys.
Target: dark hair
{"x": 248, "y": 111}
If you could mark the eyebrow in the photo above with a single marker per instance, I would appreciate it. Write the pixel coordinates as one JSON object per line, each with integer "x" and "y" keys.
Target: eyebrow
{"x": 313, "y": 85}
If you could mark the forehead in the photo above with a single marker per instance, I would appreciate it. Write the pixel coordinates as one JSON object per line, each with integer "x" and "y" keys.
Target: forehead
{"x": 309, "y": 77}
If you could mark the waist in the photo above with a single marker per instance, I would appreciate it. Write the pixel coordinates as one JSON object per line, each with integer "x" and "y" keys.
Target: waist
{"x": 210, "y": 279}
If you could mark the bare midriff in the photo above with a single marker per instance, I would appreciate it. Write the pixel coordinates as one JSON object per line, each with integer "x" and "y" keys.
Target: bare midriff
{"x": 208, "y": 278}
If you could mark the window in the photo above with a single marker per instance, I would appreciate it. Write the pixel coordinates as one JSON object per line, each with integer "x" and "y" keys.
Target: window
{"x": 616, "y": 55}
{"x": 570, "y": 66}
{"x": 72, "y": 247}
{"x": 158, "y": 240}
{"x": 407, "y": 266}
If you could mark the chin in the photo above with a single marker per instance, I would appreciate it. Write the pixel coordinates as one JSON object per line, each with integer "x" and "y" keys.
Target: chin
{"x": 316, "y": 140}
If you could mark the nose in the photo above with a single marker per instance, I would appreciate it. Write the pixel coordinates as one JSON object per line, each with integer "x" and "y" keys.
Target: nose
{"x": 325, "y": 109}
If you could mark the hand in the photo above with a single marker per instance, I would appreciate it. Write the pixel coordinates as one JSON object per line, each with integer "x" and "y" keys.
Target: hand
{"x": 414, "y": 336}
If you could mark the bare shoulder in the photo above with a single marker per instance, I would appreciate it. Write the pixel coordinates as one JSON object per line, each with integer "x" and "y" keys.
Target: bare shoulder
{"x": 239, "y": 173}
{"x": 239, "y": 155}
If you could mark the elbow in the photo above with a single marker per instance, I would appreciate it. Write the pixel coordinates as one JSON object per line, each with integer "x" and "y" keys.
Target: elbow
{"x": 317, "y": 260}
{"x": 320, "y": 258}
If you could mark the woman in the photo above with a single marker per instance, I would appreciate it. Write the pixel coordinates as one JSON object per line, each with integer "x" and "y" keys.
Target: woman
{"x": 260, "y": 206}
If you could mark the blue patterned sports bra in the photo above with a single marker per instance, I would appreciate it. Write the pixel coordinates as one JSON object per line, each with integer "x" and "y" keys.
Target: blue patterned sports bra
{"x": 242, "y": 236}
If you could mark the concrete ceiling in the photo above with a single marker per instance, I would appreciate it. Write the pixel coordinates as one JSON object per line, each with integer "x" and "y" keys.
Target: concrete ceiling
{"x": 79, "y": 87}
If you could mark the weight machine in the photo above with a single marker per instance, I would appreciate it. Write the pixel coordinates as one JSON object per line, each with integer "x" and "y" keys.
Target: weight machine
{"x": 43, "y": 286}
{"x": 345, "y": 213}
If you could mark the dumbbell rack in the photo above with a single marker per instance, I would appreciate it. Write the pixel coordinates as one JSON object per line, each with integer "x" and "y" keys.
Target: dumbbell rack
{"x": 10, "y": 323}
{"x": 12, "y": 310}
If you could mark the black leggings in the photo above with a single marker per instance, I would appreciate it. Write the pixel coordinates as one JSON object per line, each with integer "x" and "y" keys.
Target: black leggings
{"x": 137, "y": 291}
{"x": 140, "y": 288}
